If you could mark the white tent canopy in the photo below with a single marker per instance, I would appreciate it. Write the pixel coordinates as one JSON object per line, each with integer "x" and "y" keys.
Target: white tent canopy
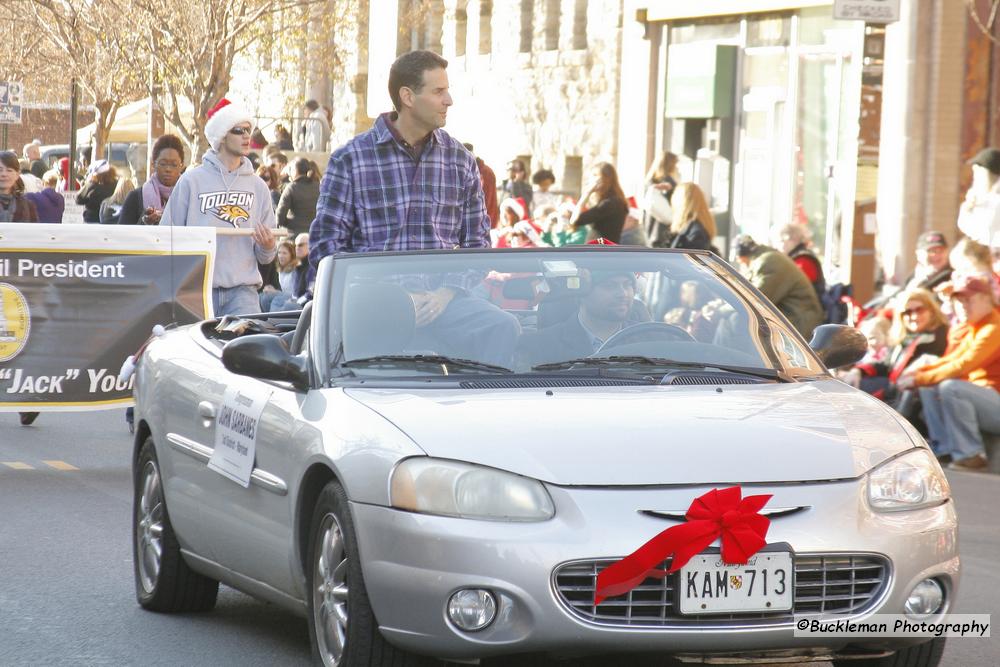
{"x": 132, "y": 123}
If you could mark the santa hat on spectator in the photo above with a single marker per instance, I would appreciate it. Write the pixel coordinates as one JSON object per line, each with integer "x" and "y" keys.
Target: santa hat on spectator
{"x": 223, "y": 117}
{"x": 516, "y": 205}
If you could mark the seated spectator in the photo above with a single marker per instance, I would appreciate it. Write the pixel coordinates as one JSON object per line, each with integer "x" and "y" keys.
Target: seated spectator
{"x": 969, "y": 258}
{"x": 932, "y": 262}
{"x": 286, "y": 263}
{"x": 919, "y": 329}
{"x": 557, "y": 231}
{"x": 512, "y": 211}
{"x": 297, "y": 203}
{"x": 959, "y": 391}
{"x": 297, "y": 297}
{"x": 111, "y": 207}
{"x": 777, "y": 277}
{"x": 50, "y": 204}
{"x": 795, "y": 243}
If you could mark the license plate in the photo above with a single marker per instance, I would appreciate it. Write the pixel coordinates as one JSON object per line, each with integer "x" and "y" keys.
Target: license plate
{"x": 710, "y": 586}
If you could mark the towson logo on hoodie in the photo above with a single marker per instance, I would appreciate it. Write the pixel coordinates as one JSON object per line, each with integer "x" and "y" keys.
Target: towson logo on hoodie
{"x": 231, "y": 207}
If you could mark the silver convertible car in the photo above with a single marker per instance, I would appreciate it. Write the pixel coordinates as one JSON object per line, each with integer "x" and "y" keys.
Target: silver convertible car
{"x": 438, "y": 457}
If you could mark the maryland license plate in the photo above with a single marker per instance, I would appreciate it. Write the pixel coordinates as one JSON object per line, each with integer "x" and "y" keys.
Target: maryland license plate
{"x": 710, "y": 586}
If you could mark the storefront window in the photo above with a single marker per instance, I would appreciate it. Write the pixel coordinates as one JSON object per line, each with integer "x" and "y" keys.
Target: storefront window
{"x": 769, "y": 31}
{"x": 722, "y": 33}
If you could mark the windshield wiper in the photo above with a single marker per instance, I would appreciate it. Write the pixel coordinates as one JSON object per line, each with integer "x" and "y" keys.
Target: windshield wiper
{"x": 435, "y": 359}
{"x": 602, "y": 362}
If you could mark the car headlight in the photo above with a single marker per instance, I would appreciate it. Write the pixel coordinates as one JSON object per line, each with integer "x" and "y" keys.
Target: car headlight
{"x": 449, "y": 488}
{"x": 909, "y": 482}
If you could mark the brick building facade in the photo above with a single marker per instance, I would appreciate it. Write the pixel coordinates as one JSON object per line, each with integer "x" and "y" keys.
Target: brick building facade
{"x": 50, "y": 123}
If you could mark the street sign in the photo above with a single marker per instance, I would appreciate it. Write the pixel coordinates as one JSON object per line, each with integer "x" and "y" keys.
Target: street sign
{"x": 872, "y": 11}
{"x": 11, "y": 93}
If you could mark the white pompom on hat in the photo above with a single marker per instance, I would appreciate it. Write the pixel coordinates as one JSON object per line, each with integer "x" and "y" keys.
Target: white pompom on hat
{"x": 223, "y": 117}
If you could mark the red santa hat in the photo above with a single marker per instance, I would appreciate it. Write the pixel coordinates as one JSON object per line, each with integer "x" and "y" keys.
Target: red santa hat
{"x": 516, "y": 205}
{"x": 223, "y": 117}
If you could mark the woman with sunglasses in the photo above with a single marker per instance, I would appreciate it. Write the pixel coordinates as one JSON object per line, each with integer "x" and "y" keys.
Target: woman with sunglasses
{"x": 15, "y": 207}
{"x": 918, "y": 328}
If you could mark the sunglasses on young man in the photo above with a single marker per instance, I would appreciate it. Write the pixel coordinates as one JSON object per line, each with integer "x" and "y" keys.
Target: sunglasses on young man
{"x": 240, "y": 130}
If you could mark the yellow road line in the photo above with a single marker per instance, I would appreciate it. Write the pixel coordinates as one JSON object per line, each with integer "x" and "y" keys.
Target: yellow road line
{"x": 59, "y": 465}
{"x": 17, "y": 465}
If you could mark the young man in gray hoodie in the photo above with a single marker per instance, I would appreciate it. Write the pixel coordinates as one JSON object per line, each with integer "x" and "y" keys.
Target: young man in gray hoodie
{"x": 225, "y": 192}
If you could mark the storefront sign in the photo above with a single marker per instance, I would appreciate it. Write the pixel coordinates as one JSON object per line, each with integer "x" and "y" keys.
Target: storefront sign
{"x": 700, "y": 80}
{"x": 871, "y": 11}
{"x": 77, "y": 300}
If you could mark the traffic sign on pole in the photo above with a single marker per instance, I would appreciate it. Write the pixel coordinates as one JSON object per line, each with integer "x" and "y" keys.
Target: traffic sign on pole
{"x": 11, "y": 93}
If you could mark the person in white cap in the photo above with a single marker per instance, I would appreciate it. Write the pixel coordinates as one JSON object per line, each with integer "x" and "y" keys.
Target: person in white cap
{"x": 225, "y": 192}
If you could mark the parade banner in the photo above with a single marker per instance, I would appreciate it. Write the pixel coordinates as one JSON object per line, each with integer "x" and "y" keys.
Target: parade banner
{"x": 77, "y": 300}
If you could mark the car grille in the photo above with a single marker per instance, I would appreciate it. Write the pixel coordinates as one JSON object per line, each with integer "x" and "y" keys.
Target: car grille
{"x": 838, "y": 584}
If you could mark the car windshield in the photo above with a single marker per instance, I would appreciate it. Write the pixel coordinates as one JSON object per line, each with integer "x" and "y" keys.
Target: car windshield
{"x": 588, "y": 310}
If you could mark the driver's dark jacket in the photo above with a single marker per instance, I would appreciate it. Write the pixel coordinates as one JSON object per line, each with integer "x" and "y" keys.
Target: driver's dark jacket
{"x": 568, "y": 339}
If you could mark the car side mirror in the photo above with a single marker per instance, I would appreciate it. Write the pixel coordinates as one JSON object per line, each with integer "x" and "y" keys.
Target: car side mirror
{"x": 264, "y": 356}
{"x": 838, "y": 345}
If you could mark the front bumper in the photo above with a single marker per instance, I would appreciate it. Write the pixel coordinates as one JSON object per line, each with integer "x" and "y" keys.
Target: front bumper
{"x": 412, "y": 563}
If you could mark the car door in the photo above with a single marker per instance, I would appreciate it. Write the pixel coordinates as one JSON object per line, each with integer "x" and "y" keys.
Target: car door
{"x": 252, "y": 527}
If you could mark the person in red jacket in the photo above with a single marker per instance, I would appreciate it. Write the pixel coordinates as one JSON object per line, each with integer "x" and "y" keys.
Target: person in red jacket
{"x": 488, "y": 179}
{"x": 795, "y": 244}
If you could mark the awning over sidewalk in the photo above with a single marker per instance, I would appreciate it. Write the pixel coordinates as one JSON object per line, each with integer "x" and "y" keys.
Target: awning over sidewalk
{"x": 132, "y": 121}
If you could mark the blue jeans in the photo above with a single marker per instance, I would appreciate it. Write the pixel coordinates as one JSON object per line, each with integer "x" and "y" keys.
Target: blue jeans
{"x": 238, "y": 300}
{"x": 957, "y": 413}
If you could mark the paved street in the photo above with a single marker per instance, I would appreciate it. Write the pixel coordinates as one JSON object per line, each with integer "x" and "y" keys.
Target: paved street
{"x": 66, "y": 592}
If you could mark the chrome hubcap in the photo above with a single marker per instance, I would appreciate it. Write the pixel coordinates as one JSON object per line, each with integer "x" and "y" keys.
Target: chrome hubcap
{"x": 330, "y": 592}
{"x": 149, "y": 528}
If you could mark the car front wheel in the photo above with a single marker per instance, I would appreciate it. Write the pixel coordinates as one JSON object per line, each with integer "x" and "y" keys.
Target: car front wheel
{"x": 927, "y": 654}
{"x": 163, "y": 581}
{"x": 342, "y": 626}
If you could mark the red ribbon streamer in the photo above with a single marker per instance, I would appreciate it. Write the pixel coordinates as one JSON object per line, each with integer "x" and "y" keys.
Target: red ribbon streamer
{"x": 718, "y": 513}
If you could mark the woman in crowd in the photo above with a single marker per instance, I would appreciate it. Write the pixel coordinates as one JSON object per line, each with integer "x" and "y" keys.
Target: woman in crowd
{"x": 660, "y": 182}
{"x": 297, "y": 203}
{"x": 102, "y": 180}
{"x": 918, "y": 328}
{"x": 257, "y": 140}
{"x": 15, "y": 207}
{"x": 111, "y": 207}
{"x": 145, "y": 205}
{"x": 282, "y": 138}
{"x": 49, "y": 202}
{"x": 693, "y": 226}
{"x": 603, "y": 207}
{"x": 270, "y": 176}
{"x": 286, "y": 264}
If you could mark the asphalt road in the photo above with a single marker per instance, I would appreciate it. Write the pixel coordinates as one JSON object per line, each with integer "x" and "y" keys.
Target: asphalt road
{"x": 66, "y": 588}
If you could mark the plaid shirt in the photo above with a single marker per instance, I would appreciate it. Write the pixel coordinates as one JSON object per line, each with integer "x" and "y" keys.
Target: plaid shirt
{"x": 377, "y": 196}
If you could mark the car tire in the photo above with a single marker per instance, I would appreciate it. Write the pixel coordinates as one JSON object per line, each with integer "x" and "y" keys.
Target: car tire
{"x": 163, "y": 581}
{"x": 342, "y": 626}
{"x": 927, "y": 654}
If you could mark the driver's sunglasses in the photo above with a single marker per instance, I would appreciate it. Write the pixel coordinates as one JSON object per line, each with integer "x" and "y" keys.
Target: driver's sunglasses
{"x": 240, "y": 130}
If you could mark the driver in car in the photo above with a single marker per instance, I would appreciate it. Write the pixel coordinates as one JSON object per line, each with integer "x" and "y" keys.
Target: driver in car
{"x": 607, "y": 307}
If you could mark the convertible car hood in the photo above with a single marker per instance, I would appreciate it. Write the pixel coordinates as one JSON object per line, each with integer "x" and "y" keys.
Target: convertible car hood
{"x": 651, "y": 435}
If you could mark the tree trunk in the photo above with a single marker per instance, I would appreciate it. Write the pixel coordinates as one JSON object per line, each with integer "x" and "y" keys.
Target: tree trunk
{"x": 103, "y": 122}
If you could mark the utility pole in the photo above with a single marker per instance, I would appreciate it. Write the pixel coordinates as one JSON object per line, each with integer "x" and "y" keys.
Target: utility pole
{"x": 73, "y": 103}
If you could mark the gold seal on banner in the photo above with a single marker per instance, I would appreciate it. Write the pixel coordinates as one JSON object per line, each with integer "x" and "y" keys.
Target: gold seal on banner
{"x": 15, "y": 321}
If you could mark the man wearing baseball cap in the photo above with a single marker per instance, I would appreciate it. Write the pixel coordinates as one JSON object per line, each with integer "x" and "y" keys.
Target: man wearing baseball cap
{"x": 959, "y": 392}
{"x": 225, "y": 192}
{"x": 932, "y": 262}
{"x": 607, "y": 306}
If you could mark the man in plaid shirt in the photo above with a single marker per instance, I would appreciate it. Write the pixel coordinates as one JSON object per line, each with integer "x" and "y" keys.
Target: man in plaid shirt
{"x": 407, "y": 185}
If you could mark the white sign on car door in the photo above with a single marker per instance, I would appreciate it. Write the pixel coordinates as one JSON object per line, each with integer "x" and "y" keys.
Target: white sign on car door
{"x": 236, "y": 433}
{"x": 872, "y": 11}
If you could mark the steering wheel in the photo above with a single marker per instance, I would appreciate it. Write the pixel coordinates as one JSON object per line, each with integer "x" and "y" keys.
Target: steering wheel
{"x": 646, "y": 332}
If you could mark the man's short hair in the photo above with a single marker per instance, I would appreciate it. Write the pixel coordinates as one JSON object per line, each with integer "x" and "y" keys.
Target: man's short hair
{"x": 278, "y": 157}
{"x": 408, "y": 72}
{"x": 312, "y": 105}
